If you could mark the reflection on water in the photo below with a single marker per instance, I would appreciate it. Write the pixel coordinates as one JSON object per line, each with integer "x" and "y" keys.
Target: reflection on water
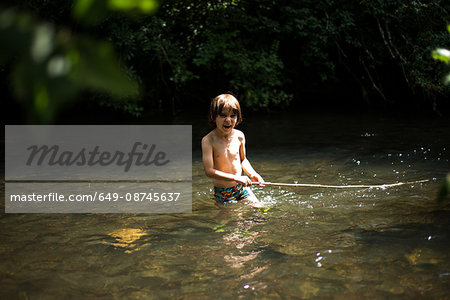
{"x": 325, "y": 243}
{"x": 126, "y": 238}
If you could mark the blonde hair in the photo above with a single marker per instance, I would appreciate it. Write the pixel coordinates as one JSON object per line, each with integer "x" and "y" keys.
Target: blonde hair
{"x": 219, "y": 103}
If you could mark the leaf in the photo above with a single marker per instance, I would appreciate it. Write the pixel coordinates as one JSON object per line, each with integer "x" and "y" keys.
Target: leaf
{"x": 219, "y": 228}
{"x": 143, "y": 6}
{"x": 95, "y": 66}
{"x": 94, "y": 12}
{"x": 82, "y": 7}
{"x": 441, "y": 54}
{"x": 50, "y": 65}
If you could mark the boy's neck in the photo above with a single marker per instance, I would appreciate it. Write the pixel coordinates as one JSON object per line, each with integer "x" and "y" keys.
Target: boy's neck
{"x": 223, "y": 134}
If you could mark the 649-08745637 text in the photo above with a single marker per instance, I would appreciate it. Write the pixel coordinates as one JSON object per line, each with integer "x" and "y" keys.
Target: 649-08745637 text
{"x": 96, "y": 196}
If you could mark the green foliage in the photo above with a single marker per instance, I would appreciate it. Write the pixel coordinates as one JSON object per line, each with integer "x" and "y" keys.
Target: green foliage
{"x": 265, "y": 52}
{"x": 269, "y": 53}
{"x": 50, "y": 64}
{"x": 189, "y": 46}
{"x": 255, "y": 74}
{"x": 93, "y": 12}
{"x": 443, "y": 55}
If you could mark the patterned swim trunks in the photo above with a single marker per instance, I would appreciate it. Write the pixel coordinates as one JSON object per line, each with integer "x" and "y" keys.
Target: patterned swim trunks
{"x": 226, "y": 195}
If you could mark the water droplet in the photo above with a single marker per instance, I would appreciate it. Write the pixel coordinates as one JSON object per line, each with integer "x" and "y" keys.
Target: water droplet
{"x": 246, "y": 286}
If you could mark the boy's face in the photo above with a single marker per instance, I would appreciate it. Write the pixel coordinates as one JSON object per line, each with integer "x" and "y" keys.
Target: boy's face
{"x": 226, "y": 120}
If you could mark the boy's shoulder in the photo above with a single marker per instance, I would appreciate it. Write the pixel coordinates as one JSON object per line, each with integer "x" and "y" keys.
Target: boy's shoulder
{"x": 239, "y": 133}
{"x": 209, "y": 134}
{"x": 208, "y": 137}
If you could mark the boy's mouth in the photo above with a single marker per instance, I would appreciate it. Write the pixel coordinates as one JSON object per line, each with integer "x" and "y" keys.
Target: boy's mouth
{"x": 227, "y": 126}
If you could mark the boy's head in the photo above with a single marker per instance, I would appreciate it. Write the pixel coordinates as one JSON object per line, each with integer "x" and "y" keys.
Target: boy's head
{"x": 224, "y": 103}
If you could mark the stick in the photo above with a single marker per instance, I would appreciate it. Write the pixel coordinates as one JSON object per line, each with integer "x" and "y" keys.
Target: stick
{"x": 340, "y": 186}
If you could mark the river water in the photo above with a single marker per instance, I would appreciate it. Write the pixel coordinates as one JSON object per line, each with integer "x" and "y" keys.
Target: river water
{"x": 312, "y": 243}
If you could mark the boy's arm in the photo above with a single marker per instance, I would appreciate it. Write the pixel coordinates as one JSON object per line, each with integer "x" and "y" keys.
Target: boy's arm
{"x": 247, "y": 167}
{"x": 208, "y": 165}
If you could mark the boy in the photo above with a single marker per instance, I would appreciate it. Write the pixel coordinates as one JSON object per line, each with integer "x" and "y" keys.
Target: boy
{"x": 223, "y": 151}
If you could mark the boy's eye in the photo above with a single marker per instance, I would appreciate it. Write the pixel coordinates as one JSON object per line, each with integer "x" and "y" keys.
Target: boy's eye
{"x": 233, "y": 116}
{"x": 222, "y": 115}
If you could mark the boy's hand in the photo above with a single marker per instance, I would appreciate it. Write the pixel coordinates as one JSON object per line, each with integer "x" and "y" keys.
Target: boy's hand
{"x": 258, "y": 178}
{"x": 244, "y": 180}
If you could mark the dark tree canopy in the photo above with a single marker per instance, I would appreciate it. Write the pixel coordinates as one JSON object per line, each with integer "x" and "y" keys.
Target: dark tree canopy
{"x": 274, "y": 54}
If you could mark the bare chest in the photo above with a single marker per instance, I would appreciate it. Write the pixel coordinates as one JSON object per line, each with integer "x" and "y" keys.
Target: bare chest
{"x": 227, "y": 150}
